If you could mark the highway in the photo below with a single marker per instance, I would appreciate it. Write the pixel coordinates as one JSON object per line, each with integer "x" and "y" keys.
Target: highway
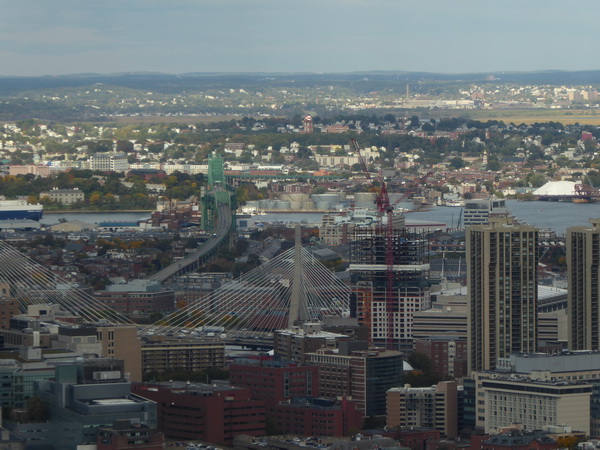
{"x": 195, "y": 259}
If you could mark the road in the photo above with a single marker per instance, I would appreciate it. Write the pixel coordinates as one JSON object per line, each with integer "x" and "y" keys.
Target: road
{"x": 195, "y": 259}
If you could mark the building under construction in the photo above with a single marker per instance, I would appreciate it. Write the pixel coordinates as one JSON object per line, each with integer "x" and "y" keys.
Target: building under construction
{"x": 390, "y": 282}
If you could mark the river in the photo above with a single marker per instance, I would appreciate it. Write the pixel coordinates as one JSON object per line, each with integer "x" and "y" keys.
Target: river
{"x": 557, "y": 216}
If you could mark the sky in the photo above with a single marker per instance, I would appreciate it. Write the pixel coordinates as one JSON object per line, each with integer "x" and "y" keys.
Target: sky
{"x": 41, "y": 37}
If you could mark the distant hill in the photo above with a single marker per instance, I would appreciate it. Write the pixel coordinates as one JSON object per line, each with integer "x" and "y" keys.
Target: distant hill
{"x": 170, "y": 83}
{"x": 87, "y": 97}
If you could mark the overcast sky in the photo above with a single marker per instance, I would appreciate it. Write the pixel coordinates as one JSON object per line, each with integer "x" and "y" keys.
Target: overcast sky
{"x": 42, "y": 37}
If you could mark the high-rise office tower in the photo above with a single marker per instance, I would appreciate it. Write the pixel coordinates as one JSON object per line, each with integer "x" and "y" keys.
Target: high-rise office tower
{"x": 502, "y": 284}
{"x": 583, "y": 261}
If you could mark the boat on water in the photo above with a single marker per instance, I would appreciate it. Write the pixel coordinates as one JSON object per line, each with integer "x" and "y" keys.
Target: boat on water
{"x": 454, "y": 203}
{"x": 20, "y": 210}
{"x": 252, "y": 211}
{"x": 583, "y": 200}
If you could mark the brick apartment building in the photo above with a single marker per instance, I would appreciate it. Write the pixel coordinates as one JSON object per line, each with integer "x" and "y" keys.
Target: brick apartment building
{"x": 448, "y": 355}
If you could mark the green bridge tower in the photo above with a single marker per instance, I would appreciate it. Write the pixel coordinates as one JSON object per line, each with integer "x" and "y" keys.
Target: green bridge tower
{"x": 216, "y": 194}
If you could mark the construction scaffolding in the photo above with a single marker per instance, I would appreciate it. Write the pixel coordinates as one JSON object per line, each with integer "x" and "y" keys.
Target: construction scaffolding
{"x": 389, "y": 314}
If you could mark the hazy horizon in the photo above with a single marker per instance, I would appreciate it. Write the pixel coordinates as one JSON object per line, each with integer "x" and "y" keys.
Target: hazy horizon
{"x": 268, "y": 36}
{"x": 282, "y": 73}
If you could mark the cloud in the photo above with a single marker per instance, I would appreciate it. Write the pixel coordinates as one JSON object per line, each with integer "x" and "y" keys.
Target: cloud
{"x": 312, "y": 35}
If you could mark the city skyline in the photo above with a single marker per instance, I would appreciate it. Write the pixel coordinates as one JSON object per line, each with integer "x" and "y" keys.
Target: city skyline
{"x": 267, "y": 36}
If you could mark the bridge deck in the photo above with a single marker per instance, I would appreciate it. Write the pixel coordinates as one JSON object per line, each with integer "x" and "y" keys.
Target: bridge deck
{"x": 193, "y": 261}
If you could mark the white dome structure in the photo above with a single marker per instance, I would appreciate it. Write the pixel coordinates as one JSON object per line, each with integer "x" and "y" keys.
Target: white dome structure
{"x": 556, "y": 189}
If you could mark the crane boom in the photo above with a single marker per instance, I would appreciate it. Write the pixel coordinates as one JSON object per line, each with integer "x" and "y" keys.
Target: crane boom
{"x": 382, "y": 199}
{"x": 384, "y": 208}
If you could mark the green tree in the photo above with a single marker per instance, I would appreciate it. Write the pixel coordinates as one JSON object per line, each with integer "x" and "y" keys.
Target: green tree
{"x": 457, "y": 163}
{"x": 155, "y": 148}
{"x": 271, "y": 428}
{"x": 124, "y": 146}
{"x": 191, "y": 243}
{"x": 427, "y": 126}
{"x": 304, "y": 153}
{"x": 390, "y": 118}
{"x": 493, "y": 164}
{"x": 536, "y": 179}
{"x": 420, "y": 361}
{"x": 593, "y": 178}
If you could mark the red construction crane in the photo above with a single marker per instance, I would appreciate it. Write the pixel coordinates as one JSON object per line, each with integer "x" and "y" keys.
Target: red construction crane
{"x": 384, "y": 208}
{"x": 381, "y": 195}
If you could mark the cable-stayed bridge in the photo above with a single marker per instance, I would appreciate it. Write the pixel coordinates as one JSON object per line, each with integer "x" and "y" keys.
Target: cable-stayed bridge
{"x": 272, "y": 296}
{"x": 30, "y": 283}
{"x": 294, "y": 286}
